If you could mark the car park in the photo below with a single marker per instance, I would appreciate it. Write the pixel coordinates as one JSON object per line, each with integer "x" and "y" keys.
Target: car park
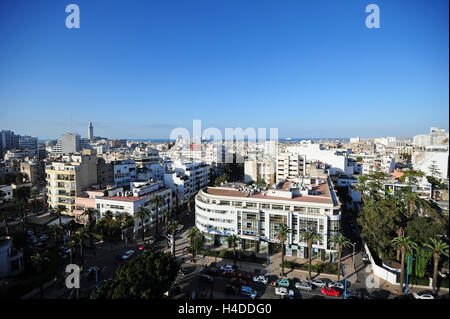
{"x": 127, "y": 254}
{"x": 423, "y": 295}
{"x": 303, "y": 285}
{"x": 247, "y": 291}
{"x": 283, "y": 291}
{"x": 260, "y": 279}
{"x": 330, "y": 291}
{"x": 319, "y": 283}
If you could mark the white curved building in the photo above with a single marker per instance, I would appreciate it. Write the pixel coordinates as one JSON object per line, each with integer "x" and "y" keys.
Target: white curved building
{"x": 254, "y": 215}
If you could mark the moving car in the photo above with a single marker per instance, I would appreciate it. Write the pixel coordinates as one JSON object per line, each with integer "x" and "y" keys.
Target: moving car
{"x": 423, "y": 295}
{"x": 283, "y": 282}
{"x": 128, "y": 254}
{"x": 247, "y": 291}
{"x": 282, "y": 291}
{"x": 261, "y": 279}
{"x": 304, "y": 285}
{"x": 330, "y": 291}
{"x": 319, "y": 283}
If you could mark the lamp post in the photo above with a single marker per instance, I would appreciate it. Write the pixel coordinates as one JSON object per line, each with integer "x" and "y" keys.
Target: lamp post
{"x": 345, "y": 284}
{"x": 353, "y": 256}
{"x": 407, "y": 274}
{"x": 182, "y": 249}
{"x": 96, "y": 276}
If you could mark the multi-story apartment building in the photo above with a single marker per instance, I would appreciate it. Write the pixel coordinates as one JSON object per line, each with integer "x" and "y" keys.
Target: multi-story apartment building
{"x": 68, "y": 178}
{"x": 423, "y": 188}
{"x": 255, "y": 170}
{"x": 32, "y": 171}
{"x": 126, "y": 202}
{"x": 255, "y": 216}
{"x": 190, "y": 177}
{"x": 290, "y": 166}
{"x": 124, "y": 172}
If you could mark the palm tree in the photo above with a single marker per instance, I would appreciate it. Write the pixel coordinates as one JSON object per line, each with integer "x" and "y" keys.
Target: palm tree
{"x": 71, "y": 244}
{"x": 341, "y": 241}
{"x": 157, "y": 201}
{"x": 38, "y": 260}
{"x": 282, "y": 235}
{"x": 233, "y": 240}
{"x": 404, "y": 244}
{"x": 439, "y": 248}
{"x": 142, "y": 213}
{"x": 192, "y": 234}
{"x": 189, "y": 204}
{"x": 310, "y": 237}
{"x": 176, "y": 200}
{"x": 172, "y": 226}
{"x": 80, "y": 235}
{"x": 90, "y": 213}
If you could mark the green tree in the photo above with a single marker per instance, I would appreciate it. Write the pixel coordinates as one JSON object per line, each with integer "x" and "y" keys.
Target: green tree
{"x": 405, "y": 245}
{"x": 38, "y": 261}
{"x": 142, "y": 213}
{"x": 193, "y": 233}
{"x": 434, "y": 170}
{"x": 420, "y": 229}
{"x": 34, "y": 193}
{"x": 232, "y": 242}
{"x": 283, "y": 233}
{"x": 172, "y": 227}
{"x": 79, "y": 237}
{"x": 438, "y": 248}
{"x": 310, "y": 237}
{"x": 341, "y": 241}
{"x": 148, "y": 276}
{"x": 157, "y": 200}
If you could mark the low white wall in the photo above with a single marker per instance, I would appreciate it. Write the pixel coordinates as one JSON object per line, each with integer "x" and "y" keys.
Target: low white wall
{"x": 378, "y": 271}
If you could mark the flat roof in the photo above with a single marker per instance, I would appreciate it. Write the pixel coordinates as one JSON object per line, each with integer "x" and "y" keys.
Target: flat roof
{"x": 323, "y": 194}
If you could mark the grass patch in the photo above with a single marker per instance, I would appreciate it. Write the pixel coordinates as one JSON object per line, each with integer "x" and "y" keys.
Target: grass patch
{"x": 325, "y": 268}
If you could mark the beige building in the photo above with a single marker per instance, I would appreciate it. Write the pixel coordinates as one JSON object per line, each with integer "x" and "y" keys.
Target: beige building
{"x": 255, "y": 170}
{"x": 67, "y": 179}
{"x": 290, "y": 166}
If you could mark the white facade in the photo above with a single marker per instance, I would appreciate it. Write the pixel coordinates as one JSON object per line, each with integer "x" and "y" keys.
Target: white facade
{"x": 290, "y": 166}
{"x": 437, "y": 136}
{"x": 124, "y": 172}
{"x": 255, "y": 216}
{"x": 423, "y": 160}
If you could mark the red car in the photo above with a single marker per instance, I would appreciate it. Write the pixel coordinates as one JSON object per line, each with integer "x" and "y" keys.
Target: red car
{"x": 330, "y": 292}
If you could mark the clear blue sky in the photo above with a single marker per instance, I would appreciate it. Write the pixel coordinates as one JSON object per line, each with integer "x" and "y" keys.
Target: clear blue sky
{"x": 136, "y": 69}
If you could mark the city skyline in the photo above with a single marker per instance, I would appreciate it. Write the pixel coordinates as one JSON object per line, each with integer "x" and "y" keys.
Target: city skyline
{"x": 310, "y": 70}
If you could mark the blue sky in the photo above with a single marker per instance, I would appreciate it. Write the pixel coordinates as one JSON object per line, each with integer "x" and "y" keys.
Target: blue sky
{"x": 137, "y": 69}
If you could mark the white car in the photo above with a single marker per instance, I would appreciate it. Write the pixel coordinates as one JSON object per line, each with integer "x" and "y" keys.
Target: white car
{"x": 282, "y": 291}
{"x": 423, "y": 295}
{"x": 337, "y": 284}
{"x": 319, "y": 283}
{"x": 226, "y": 268}
{"x": 304, "y": 285}
{"x": 128, "y": 254}
{"x": 260, "y": 279}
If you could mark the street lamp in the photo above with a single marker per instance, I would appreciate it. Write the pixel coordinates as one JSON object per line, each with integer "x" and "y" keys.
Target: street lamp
{"x": 345, "y": 284}
{"x": 353, "y": 256}
{"x": 96, "y": 276}
{"x": 407, "y": 274}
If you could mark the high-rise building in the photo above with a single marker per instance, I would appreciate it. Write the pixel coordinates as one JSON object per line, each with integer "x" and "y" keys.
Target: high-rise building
{"x": 70, "y": 143}
{"x": 90, "y": 132}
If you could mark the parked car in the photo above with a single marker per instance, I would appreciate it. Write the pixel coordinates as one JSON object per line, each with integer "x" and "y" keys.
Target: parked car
{"x": 283, "y": 291}
{"x": 213, "y": 271}
{"x": 365, "y": 257}
{"x": 319, "y": 283}
{"x": 247, "y": 291}
{"x": 260, "y": 279}
{"x": 232, "y": 290}
{"x": 354, "y": 293}
{"x": 227, "y": 268}
{"x": 303, "y": 285}
{"x": 205, "y": 278}
{"x": 182, "y": 271}
{"x": 128, "y": 254}
{"x": 283, "y": 282}
{"x": 330, "y": 291}
{"x": 336, "y": 284}
{"x": 423, "y": 295}
{"x": 239, "y": 282}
